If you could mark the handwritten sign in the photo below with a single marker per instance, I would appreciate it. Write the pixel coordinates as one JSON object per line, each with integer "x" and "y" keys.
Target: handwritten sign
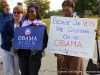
{"x": 29, "y": 37}
{"x": 72, "y": 36}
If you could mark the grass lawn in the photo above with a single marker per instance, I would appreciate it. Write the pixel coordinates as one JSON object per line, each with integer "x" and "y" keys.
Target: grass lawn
{"x": 47, "y": 21}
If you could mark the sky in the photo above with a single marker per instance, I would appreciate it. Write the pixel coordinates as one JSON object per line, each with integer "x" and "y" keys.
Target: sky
{"x": 54, "y": 4}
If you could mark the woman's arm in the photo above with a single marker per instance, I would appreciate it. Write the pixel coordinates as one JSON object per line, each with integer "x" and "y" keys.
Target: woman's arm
{"x": 45, "y": 39}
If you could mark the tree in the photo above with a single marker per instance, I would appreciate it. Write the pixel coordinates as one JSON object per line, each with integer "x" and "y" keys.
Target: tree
{"x": 82, "y": 5}
{"x": 2, "y": 3}
{"x": 52, "y": 13}
{"x": 19, "y": 3}
{"x": 44, "y": 5}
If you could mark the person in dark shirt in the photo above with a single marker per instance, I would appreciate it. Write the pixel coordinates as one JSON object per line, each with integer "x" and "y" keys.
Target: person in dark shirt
{"x": 5, "y": 16}
{"x": 30, "y": 59}
{"x": 67, "y": 62}
{"x": 9, "y": 56}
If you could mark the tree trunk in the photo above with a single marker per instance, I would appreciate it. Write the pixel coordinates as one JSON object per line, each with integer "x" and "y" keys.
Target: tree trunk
{"x": 82, "y": 15}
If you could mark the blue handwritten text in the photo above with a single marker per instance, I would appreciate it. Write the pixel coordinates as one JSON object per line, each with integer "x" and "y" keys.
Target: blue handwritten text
{"x": 56, "y": 21}
{"x": 76, "y": 22}
{"x": 75, "y": 37}
{"x": 78, "y": 30}
{"x": 66, "y": 36}
{"x": 59, "y": 29}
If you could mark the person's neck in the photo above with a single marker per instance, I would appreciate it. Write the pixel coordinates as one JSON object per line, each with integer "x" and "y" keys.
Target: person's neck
{"x": 32, "y": 19}
{"x": 5, "y": 13}
{"x": 16, "y": 22}
{"x": 67, "y": 15}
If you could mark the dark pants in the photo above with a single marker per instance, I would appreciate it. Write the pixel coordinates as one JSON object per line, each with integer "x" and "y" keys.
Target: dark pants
{"x": 93, "y": 74}
{"x": 29, "y": 66}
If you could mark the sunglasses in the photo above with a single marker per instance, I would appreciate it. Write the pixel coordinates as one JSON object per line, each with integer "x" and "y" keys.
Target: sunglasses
{"x": 16, "y": 12}
{"x": 7, "y": 9}
{"x": 30, "y": 11}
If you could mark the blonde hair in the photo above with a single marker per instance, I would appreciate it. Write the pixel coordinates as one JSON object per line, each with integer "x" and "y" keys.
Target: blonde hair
{"x": 19, "y": 8}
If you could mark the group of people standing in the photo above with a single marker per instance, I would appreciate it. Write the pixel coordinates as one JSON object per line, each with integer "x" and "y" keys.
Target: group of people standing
{"x": 15, "y": 59}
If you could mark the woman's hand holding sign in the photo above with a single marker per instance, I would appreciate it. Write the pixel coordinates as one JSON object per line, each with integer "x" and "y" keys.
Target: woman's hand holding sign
{"x": 12, "y": 40}
{"x": 33, "y": 54}
{"x": 97, "y": 32}
{"x": 33, "y": 51}
{"x": 15, "y": 50}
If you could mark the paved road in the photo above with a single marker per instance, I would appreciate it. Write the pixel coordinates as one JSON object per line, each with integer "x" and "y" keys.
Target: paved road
{"x": 48, "y": 66}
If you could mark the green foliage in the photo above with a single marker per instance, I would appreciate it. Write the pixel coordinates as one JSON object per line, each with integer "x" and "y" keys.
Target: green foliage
{"x": 44, "y": 5}
{"x": 19, "y": 3}
{"x": 82, "y": 5}
{"x": 2, "y": 3}
{"x": 52, "y": 13}
{"x": 98, "y": 26}
{"x": 1, "y": 9}
{"x": 47, "y": 21}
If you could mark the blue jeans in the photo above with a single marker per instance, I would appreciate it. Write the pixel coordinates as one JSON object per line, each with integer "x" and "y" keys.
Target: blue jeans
{"x": 30, "y": 66}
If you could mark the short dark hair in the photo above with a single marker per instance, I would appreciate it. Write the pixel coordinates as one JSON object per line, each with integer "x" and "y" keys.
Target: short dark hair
{"x": 70, "y": 3}
{"x": 6, "y": 5}
{"x": 38, "y": 16}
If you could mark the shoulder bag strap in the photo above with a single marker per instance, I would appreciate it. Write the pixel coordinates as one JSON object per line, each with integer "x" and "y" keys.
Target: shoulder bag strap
{"x": 98, "y": 52}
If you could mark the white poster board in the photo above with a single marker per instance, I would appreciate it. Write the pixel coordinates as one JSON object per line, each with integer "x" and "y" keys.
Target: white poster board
{"x": 72, "y": 36}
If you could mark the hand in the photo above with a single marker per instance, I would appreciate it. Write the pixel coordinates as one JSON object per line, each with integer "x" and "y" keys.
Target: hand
{"x": 60, "y": 57}
{"x": 97, "y": 32}
{"x": 15, "y": 50}
{"x": 12, "y": 40}
{"x": 33, "y": 51}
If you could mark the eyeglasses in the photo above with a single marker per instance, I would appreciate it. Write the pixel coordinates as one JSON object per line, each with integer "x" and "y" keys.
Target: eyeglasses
{"x": 30, "y": 11}
{"x": 7, "y": 9}
{"x": 16, "y": 12}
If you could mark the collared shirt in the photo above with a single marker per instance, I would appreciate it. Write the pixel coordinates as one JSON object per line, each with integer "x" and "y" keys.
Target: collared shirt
{"x": 15, "y": 26}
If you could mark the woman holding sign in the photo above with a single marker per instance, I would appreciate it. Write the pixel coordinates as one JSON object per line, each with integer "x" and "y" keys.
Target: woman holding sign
{"x": 71, "y": 64}
{"x": 9, "y": 56}
{"x": 30, "y": 60}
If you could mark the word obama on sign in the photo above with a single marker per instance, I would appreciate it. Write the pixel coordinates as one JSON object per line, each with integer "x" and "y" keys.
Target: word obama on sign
{"x": 29, "y": 37}
{"x": 74, "y": 36}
